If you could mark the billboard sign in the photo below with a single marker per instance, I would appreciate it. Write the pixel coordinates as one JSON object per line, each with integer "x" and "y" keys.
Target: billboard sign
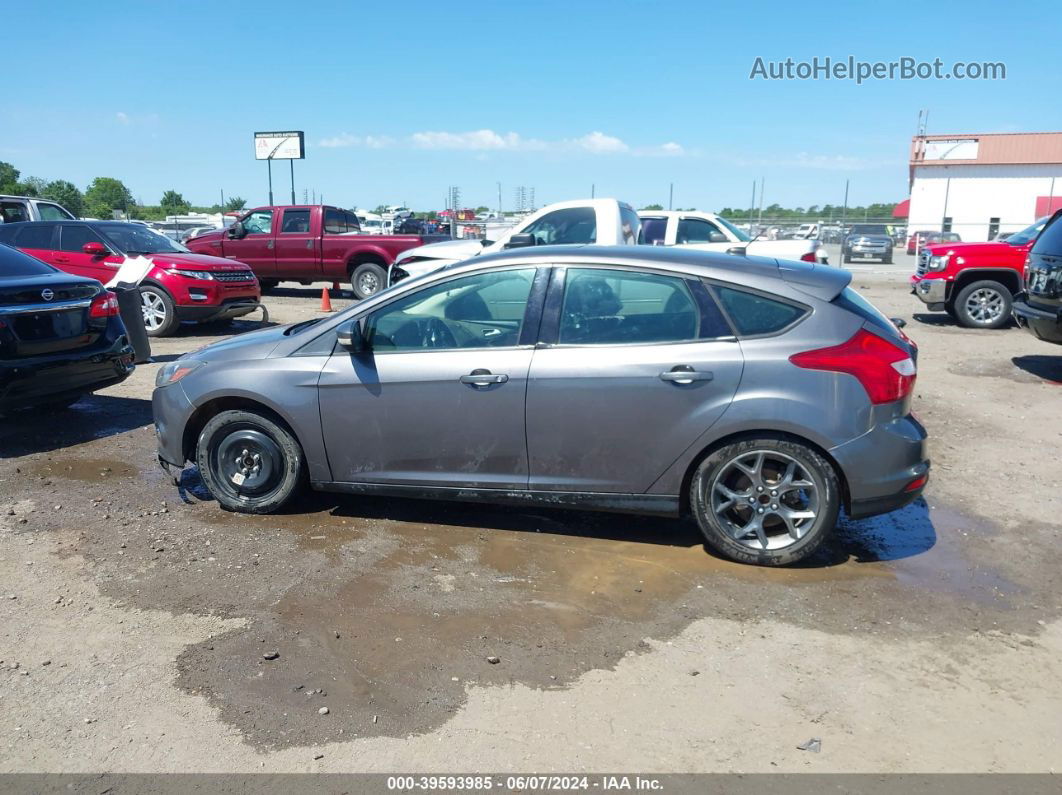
{"x": 957, "y": 149}
{"x": 279, "y": 145}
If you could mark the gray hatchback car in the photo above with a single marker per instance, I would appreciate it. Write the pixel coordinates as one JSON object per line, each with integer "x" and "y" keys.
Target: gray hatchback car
{"x": 760, "y": 396}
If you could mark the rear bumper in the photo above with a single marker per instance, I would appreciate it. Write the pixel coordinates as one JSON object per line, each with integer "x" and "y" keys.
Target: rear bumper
{"x": 25, "y": 382}
{"x": 880, "y": 465}
{"x": 1041, "y": 323}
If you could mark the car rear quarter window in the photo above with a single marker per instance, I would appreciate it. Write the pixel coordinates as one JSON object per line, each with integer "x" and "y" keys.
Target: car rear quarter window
{"x": 1050, "y": 240}
{"x": 14, "y": 212}
{"x": 754, "y": 314}
{"x": 13, "y": 263}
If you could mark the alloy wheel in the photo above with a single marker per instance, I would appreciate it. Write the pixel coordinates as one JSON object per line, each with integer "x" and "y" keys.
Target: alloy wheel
{"x": 153, "y": 308}
{"x": 984, "y": 305}
{"x": 368, "y": 283}
{"x": 764, "y": 499}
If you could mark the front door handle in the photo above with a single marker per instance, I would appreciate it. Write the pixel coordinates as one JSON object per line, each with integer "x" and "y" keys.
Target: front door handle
{"x": 483, "y": 378}
{"x": 60, "y": 258}
{"x": 684, "y": 374}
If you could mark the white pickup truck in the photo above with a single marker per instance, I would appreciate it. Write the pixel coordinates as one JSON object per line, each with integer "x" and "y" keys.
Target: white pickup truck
{"x": 27, "y": 208}
{"x": 604, "y": 222}
{"x": 709, "y": 232}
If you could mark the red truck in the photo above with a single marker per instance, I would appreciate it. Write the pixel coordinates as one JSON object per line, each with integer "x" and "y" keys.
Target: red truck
{"x": 975, "y": 283}
{"x": 309, "y": 243}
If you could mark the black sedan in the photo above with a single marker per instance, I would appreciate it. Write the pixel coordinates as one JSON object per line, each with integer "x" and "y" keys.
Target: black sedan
{"x": 60, "y": 335}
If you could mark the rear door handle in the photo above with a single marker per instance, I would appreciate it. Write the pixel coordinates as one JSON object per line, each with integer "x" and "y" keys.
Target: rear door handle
{"x": 60, "y": 259}
{"x": 483, "y": 378}
{"x": 684, "y": 374}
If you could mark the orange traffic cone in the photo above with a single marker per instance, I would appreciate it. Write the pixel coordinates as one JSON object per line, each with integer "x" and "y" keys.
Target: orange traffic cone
{"x": 326, "y": 301}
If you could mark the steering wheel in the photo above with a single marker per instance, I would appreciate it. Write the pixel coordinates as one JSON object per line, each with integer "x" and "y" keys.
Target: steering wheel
{"x": 436, "y": 334}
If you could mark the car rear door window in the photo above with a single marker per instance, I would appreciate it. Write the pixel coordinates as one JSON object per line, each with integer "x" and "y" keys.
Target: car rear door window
{"x": 754, "y": 314}
{"x": 35, "y": 236}
{"x": 73, "y": 236}
{"x": 296, "y": 222}
{"x": 334, "y": 223}
{"x": 14, "y": 212}
{"x": 616, "y": 307}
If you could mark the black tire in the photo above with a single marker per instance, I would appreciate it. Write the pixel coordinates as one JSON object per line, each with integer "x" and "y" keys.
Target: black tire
{"x": 160, "y": 312}
{"x": 268, "y": 284}
{"x": 822, "y": 499}
{"x": 949, "y": 307}
{"x": 983, "y": 304}
{"x": 367, "y": 279}
{"x": 258, "y": 441}
{"x": 888, "y": 260}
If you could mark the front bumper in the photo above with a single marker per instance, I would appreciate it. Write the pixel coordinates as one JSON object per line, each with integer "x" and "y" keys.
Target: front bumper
{"x": 881, "y": 464}
{"x": 932, "y": 292}
{"x": 1042, "y": 323}
{"x": 172, "y": 410}
{"x": 233, "y": 308}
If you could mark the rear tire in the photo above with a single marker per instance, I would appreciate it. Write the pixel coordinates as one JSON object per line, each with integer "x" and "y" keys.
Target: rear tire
{"x": 368, "y": 279}
{"x": 250, "y": 463}
{"x": 983, "y": 304}
{"x": 159, "y": 310}
{"x": 766, "y": 501}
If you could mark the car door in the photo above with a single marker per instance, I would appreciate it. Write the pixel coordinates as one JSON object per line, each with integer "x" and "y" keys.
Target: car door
{"x": 70, "y": 257}
{"x": 634, "y": 365}
{"x": 438, "y": 399}
{"x": 296, "y": 251}
{"x": 256, "y": 247}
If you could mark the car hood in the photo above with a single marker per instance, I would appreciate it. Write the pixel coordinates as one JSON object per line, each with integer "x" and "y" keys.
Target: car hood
{"x": 198, "y": 262}
{"x": 447, "y": 249}
{"x": 975, "y": 249}
{"x": 251, "y": 345}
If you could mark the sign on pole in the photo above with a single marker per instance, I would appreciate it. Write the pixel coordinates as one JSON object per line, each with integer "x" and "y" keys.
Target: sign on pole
{"x": 279, "y": 145}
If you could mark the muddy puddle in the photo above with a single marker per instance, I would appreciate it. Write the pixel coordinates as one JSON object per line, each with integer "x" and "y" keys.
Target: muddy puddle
{"x": 416, "y": 601}
{"x": 86, "y": 470}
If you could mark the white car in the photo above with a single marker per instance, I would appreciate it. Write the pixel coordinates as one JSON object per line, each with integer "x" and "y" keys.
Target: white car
{"x": 709, "y": 232}
{"x": 603, "y": 222}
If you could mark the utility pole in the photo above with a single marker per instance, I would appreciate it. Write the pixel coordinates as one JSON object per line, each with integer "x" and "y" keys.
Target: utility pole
{"x": 844, "y": 210}
{"x": 292, "y": 164}
{"x": 759, "y": 221}
{"x": 670, "y": 195}
{"x": 499, "y": 200}
{"x": 223, "y": 198}
{"x": 269, "y": 166}
{"x": 752, "y": 205}
{"x": 593, "y": 189}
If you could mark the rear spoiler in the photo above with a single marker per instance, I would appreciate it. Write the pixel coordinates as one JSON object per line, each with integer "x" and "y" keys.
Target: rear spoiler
{"x": 819, "y": 281}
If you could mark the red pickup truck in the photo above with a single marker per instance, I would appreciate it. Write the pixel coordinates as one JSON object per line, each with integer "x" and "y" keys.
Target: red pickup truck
{"x": 309, "y": 243}
{"x": 975, "y": 283}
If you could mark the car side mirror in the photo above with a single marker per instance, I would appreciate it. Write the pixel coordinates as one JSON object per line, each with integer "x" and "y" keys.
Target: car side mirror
{"x": 522, "y": 240}
{"x": 236, "y": 231}
{"x": 738, "y": 251}
{"x": 352, "y": 336}
{"x": 717, "y": 237}
{"x": 95, "y": 249}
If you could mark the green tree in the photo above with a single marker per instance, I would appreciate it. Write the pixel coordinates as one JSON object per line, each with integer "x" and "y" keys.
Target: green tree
{"x": 235, "y": 203}
{"x": 66, "y": 194}
{"x": 105, "y": 195}
{"x": 32, "y": 186}
{"x": 8, "y": 178}
{"x": 653, "y": 207}
{"x": 174, "y": 203}
{"x": 482, "y": 209}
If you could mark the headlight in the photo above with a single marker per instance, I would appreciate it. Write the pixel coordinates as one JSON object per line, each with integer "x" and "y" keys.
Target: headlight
{"x": 172, "y": 372}
{"x": 938, "y": 263}
{"x": 205, "y": 275}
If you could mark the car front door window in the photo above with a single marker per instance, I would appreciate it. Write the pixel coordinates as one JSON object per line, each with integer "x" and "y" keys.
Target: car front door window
{"x": 485, "y": 310}
{"x": 260, "y": 222}
{"x": 575, "y": 225}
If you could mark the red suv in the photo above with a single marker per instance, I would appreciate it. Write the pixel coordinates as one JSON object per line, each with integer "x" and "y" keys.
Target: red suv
{"x": 181, "y": 287}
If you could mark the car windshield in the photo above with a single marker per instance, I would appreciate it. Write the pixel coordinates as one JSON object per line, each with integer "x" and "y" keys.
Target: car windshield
{"x": 136, "y": 239}
{"x": 1027, "y": 234}
{"x": 868, "y": 229}
{"x": 744, "y": 238}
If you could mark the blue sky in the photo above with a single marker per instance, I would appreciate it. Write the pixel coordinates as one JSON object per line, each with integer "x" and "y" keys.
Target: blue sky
{"x": 399, "y": 101}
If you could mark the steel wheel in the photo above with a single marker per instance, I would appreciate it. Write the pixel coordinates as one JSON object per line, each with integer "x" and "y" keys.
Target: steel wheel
{"x": 985, "y": 305}
{"x": 368, "y": 283}
{"x": 247, "y": 462}
{"x": 764, "y": 499}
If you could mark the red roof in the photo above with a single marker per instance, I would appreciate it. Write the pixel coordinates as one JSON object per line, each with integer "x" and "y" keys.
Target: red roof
{"x": 902, "y": 210}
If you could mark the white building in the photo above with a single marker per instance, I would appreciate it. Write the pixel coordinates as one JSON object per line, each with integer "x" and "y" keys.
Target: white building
{"x": 980, "y": 185}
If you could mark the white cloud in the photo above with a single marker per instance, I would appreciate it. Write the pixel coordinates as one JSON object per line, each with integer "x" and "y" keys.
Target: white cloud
{"x": 599, "y": 143}
{"x": 366, "y": 141}
{"x": 487, "y": 140}
{"x": 815, "y": 161}
{"x": 123, "y": 118}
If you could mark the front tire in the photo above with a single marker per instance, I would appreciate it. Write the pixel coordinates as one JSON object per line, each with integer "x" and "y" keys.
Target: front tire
{"x": 983, "y": 304}
{"x": 159, "y": 310}
{"x": 766, "y": 501}
{"x": 368, "y": 279}
{"x": 250, "y": 463}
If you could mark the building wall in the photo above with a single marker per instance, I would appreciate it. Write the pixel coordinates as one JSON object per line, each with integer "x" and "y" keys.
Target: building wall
{"x": 976, "y": 193}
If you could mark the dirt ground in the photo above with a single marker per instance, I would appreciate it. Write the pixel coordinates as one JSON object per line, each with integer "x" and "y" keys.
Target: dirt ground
{"x": 136, "y": 618}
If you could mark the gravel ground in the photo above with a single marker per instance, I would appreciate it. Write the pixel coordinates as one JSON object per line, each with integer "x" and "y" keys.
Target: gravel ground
{"x": 142, "y": 629}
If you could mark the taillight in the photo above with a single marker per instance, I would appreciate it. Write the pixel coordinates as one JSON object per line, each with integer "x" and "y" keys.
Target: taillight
{"x": 885, "y": 370}
{"x": 808, "y": 257}
{"x": 104, "y": 305}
